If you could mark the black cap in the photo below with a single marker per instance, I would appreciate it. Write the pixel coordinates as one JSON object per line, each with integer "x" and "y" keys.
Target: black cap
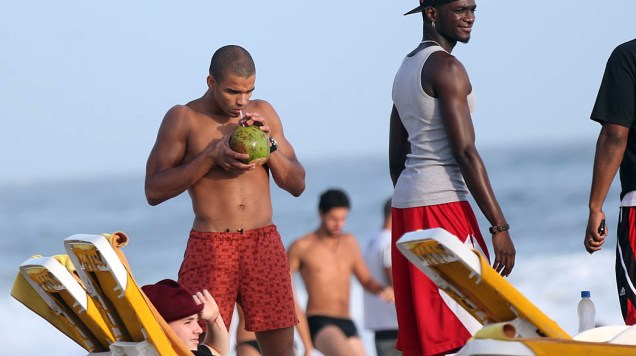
{"x": 426, "y": 3}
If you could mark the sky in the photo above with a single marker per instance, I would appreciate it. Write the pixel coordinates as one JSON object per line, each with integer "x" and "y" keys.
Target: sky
{"x": 85, "y": 84}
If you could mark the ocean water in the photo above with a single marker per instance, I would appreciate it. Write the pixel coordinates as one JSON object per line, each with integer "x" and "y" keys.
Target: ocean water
{"x": 543, "y": 190}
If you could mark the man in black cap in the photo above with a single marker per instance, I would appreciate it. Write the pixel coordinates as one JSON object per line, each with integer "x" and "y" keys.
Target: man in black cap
{"x": 434, "y": 167}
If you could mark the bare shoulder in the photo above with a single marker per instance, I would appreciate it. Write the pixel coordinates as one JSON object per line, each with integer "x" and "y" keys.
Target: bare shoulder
{"x": 444, "y": 64}
{"x": 261, "y": 104}
{"x": 349, "y": 240}
{"x": 178, "y": 115}
{"x": 301, "y": 244}
{"x": 265, "y": 109}
{"x": 180, "y": 110}
{"x": 448, "y": 75}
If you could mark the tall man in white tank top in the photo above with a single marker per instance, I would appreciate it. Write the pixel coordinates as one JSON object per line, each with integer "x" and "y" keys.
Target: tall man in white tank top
{"x": 434, "y": 167}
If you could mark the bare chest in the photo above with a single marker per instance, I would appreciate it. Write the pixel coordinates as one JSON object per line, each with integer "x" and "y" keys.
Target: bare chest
{"x": 205, "y": 131}
{"x": 331, "y": 262}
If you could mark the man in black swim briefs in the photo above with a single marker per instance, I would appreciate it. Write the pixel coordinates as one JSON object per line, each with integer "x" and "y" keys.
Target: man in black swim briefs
{"x": 326, "y": 258}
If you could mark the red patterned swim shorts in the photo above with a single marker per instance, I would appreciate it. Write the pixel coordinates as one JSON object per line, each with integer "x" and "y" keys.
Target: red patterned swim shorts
{"x": 248, "y": 267}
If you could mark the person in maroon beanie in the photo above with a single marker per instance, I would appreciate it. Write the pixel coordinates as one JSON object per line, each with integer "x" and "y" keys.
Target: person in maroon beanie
{"x": 182, "y": 310}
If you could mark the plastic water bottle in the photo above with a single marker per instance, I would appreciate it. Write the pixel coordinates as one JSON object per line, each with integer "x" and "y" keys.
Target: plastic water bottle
{"x": 586, "y": 312}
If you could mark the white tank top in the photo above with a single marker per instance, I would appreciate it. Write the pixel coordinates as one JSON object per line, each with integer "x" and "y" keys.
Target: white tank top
{"x": 431, "y": 175}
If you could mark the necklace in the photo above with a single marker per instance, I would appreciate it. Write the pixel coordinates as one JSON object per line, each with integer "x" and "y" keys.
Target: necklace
{"x": 333, "y": 249}
{"x": 431, "y": 41}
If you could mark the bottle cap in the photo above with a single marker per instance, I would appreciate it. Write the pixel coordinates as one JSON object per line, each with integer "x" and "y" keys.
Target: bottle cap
{"x": 585, "y": 294}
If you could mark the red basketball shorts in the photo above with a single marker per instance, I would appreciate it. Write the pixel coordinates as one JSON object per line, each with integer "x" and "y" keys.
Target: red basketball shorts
{"x": 427, "y": 325}
{"x": 626, "y": 263}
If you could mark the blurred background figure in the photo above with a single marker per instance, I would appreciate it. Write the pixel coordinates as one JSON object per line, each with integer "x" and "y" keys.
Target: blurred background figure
{"x": 327, "y": 258}
{"x": 379, "y": 316}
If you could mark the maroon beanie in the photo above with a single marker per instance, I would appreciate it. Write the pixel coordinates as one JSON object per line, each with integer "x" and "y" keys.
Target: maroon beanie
{"x": 172, "y": 300}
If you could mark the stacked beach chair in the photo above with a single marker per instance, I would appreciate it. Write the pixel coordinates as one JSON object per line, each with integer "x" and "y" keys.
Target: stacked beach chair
{"x": 511, "y": 324}
{"x": 91, "y": 296}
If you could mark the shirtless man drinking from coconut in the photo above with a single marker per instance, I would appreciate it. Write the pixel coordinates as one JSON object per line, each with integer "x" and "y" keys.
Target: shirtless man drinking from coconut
{"x": 232, "y": 230}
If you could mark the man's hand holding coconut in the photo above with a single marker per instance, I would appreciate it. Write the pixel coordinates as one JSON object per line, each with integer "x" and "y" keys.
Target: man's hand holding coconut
{"x": 251, "y": 138}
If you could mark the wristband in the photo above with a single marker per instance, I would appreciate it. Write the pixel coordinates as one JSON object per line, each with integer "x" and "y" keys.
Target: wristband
{"x": 494, "y": 230}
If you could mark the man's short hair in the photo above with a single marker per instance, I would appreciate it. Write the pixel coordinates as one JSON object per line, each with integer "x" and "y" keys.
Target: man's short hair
{"x": 232, "y": 59}
{"x": 333, "y": 198}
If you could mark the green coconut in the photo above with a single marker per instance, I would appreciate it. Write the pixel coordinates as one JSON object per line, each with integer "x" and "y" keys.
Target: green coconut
{"x": 252, "y": 141}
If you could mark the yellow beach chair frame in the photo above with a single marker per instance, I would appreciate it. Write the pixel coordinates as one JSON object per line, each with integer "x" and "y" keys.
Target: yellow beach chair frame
{"x": 49, "y": 287}
{"x": 104, "y": 311}
{"x": 466, "y": 276}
